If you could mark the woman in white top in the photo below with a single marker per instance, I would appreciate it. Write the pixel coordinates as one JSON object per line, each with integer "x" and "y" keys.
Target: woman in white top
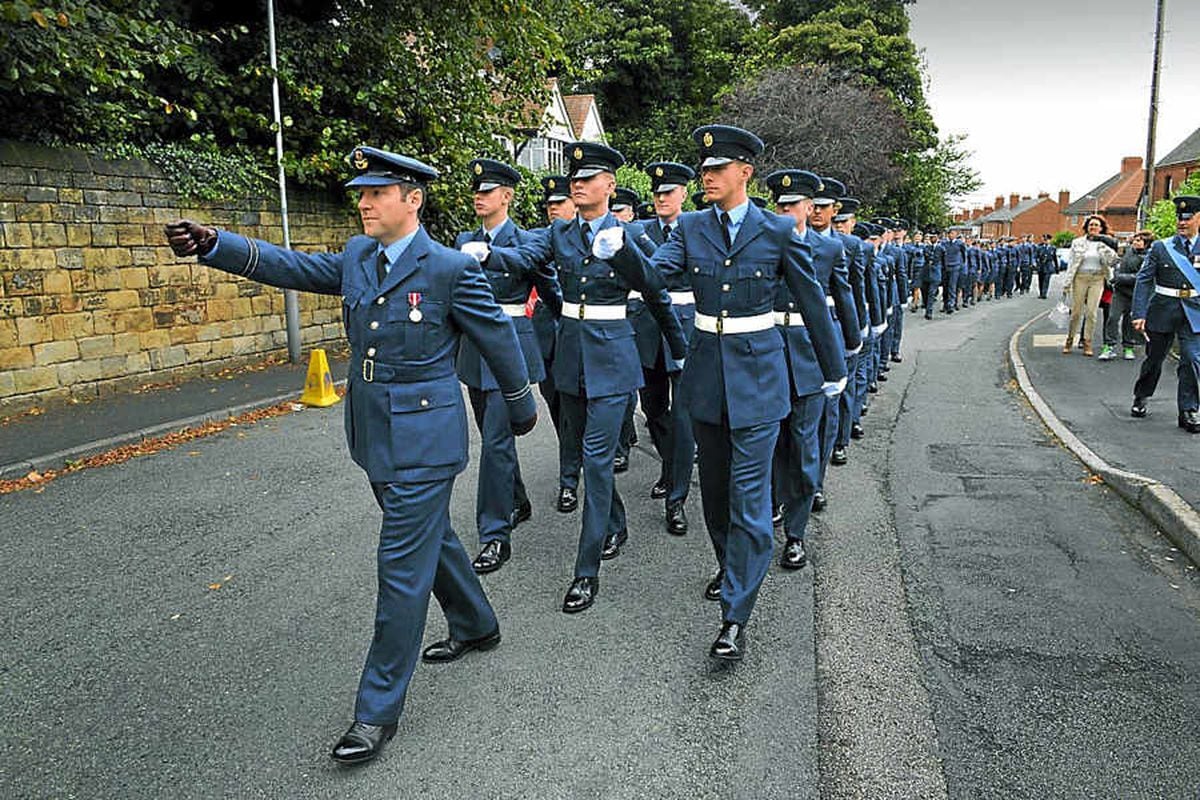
{"x": 1089, "y": 267}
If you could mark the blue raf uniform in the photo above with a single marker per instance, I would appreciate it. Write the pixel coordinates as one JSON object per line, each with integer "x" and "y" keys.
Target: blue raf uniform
{"x": 931, "y": 276}
{"x": 1046, "y": 266}
{"x": 736, "y": 376}
{"x": 667, "y": 419}
{"x": 849, "y": 407}
{"x": 626, "y": 201}
{"x": 406, "y": 305}
{"x": 596, "y": 365}
{"x": 954, "y": 258}
{"x": 501, "y": 500}
{"x": 1166, "y": 296}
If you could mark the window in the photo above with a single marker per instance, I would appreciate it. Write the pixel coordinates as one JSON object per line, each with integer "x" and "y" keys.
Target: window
{"x": 541, "y": 153}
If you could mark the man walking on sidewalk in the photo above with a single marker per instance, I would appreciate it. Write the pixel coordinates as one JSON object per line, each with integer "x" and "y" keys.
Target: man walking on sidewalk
{"x": 1166, "y": 303}
{"x": 406, "y": 303}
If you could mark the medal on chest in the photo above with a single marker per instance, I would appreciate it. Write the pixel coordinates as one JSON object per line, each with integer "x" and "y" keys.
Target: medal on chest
{"x": 414, "y": 307}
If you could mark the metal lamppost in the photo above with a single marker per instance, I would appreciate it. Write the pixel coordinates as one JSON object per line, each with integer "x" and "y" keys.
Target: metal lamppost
{"x": 291, "y": 300}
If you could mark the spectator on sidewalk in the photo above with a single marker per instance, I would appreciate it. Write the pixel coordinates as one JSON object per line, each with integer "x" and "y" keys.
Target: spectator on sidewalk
{"x": 1123, "y": 279}
{"x": 1088, "y": 269}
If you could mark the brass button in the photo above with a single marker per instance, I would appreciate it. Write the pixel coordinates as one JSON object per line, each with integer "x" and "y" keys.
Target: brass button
{"x": 424, "y": 402}
{"x": 374, "y": 324}
{"x": 506, "y": 274}
{"x": 583, "y": 279}
{"x": 381, "y": 300}
{"x": 371, "y": 352}
{"x": 724, "y": 287}
{"x": 611, "y": 273}
{"x": 583, "y": 297}
{"x": 791, "y": 305}
{"x": 729, "y": 262}
{"x": 724, "y": 312}
{"x": 695, "y": 269}
{"x": 758, "y": 273}
{"x": 587, "y": 260}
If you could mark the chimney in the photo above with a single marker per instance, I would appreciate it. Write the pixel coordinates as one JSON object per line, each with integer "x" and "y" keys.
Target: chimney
{"x": 999, "y": 201}
{"x": 1131, "y": 164}
{"x": 1013, "y": 199}
{"x": 1064, "y": 200}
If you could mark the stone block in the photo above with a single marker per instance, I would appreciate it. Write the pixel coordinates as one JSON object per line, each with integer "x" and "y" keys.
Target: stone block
{"x": 35, "y": 379}
{"x": 16, "y": 357}
{"x": 57, "y": 282}
{"x": 95, "y": 346}
{"x": 107, "y": 279}
{"x": 48, "y": 234}
{"x": 135, "y": 278}
{"x": 130, "y": 235}
{"x": 55, "y": 352}
{"x": 124, "y": 298}
{"x": 143, "y": 256}
{"x": 126, "y": 343}
{"x": 34, "y": 212}
{"x": 154, "y": 340}
{"x": 71, "y": 196}
{"x": 72, "y": 326}
{"x": 8, "y": 333}
{"x": 168, "y": 357}
{"x": 112, "y": 367}
{"x": 104, "y": 235}
{"x": 33, "y": 330}
{"x": 134, "y": 319}
{"x": 70, "y": 257}
{"x": 18, "y": 234}
{"x": 78, "y": 372}
{"x": 23, "y": 282}
{"x": 8, "y": 384}
{"x": 37, "y": 258}
{"x": 79, "y": 235}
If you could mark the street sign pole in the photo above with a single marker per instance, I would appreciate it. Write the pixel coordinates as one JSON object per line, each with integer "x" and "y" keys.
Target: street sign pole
{"x": 291, "y": 300}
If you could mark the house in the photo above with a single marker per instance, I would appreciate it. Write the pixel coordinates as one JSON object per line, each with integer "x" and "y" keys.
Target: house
{"x": 1116, "y": 199}
{"x": 1177, "y": 166}
{"x": 566, "y": 118}
{"x": 1022, "y": 216}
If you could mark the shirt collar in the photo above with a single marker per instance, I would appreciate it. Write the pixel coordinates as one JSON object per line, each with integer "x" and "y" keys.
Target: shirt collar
{"x": 396, "y": 249}
{"x": 491, "y": 232}
{"x": 736, "y": 214}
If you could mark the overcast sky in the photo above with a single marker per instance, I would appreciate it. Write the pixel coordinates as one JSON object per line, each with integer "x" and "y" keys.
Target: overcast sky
{"x": 1052, "y": 93}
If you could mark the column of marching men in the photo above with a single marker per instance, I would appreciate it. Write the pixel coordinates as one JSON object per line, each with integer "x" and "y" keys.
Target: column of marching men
{"x": 753, "y": 334}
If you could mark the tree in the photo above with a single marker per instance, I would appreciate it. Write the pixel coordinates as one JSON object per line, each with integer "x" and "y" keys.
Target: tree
{"x": 811, "y": 119}
{"x": 933, "y": 178}
{"x": 1162, "y": 214}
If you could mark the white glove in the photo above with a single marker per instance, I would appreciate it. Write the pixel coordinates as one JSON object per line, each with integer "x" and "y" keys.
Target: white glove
{"x": 879, "y": 329}
{"x": 863, "y": 333}
{"x": 608, "y": 243}
{"x": 833, "y": 388}
{"x": 477, "y": 250}
{"x": 855, "y": 351}
{"x": 888, "y": 312}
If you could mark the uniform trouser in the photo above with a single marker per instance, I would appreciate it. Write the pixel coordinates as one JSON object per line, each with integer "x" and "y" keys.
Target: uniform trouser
{"x": 597, "y": 423}
{"x": 670, "y": 428}
{"x": 1009, "y": 280}
{"x": 625, "y": 441}
{"x": 928, "y": 294}
{"x": 550, "y": 394}
{"x": 735, "y": 490}
{"x": 1044, "y": 276}
{"x": 798, "y": 461}
{"x": 827, "y": 434}
{"x": 500, "y": 488}
{"x": 847, "y": 402}
{"x": 1187, "y": 395}
{"x": 418, "y": 554}
{"x": 897, "y": 329}
{"x": 949, "y": 288}
{"x": 570, "y": 456}
{"x": 1086, "y": 289}
{"x": 862, "y": 375}
{"x": 1118, "y": 322}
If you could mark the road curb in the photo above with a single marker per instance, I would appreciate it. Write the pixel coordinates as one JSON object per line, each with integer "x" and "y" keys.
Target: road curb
{"x": 59, "y": 459}
{"x": 1157, "y": 501}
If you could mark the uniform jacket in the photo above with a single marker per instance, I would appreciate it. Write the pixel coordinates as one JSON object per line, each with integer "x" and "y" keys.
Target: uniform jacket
{"x": 599, "y": 358}
{"x": 510, "y": 285}
{"x": 878, "y": 300}
{"x": 744, "y": 376}
{"x": 650, "y": 341}
{"x": 916, "y": 264}
{"x": 405, "y": 419}
{"x": 954, "y": 253}
{"x": 933, "y": 264}
{"x": 1166, "y": 314}
{"x": 856, "y": 267}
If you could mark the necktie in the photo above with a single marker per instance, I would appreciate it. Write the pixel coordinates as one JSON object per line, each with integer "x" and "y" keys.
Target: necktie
{"x": 381, "y": 268}
{"x": 487, "y": 238}
{"x": 586, "y": 231}
{"x": 725, "y": 225}
{"x": 666, "y": 232}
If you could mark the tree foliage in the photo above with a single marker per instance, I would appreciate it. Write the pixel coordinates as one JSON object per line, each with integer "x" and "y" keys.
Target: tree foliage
{"x": 933, "y": 178}
{"x": 1162, "y": 219}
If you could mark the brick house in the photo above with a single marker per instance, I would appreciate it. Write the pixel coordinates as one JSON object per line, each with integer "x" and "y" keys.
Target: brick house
{"x": 1023, "y": 216}
{"x": 1177, "y": 166}
{"x": 1116, "y": 199}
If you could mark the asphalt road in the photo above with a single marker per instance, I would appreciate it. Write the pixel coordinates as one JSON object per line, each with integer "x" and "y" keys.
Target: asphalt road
{"x": 985, "y": 623}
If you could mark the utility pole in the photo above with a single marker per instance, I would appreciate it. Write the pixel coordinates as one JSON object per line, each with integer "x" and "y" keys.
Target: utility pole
{"x": 291, "y": 300}
{"x": 1148, "y": 197}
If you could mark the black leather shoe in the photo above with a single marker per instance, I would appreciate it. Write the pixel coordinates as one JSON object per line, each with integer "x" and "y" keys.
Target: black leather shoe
{"x": 581, "y": 595}
{"x": 568, "y": 500}
{"x": 660, "y": 489}
{"x": 362, "y": 742}
{"x": 819, "y": 502}
{"x": 838, "y": 456}
{"x": 453, "y": 649}
{"x": 620, "y": 463}
{"x": 712, "y": 590}
{"x": 866, "y": 407}
{"x": 612, "y": 544}
{"x": 793, "y": 556}
{"x": 730, "y": 644}
{"x": 930, "y": 316}
{"x": 856, "y": 431}
{"x": 1189, "y": 421}
{"x": 777, "y": 515}
{"x": 873, "y": 388}
{"x": 521, "y": 513}
{"x": 896, "y": 358}
{"x": 882, "y": 377}
{"x": 491, "y": 557}
{"x": 1139, "y": 407}
{"x": 677, "y": 521}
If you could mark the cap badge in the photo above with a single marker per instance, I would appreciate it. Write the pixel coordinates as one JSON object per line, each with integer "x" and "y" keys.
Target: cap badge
{"x": 360, "y": 159}
{"x": 787, "y": 180}
{"x": 658, "y": 172}
{"x": 708, "y": 139}
{"x": 820, "y": 186}
{"x": 550, "y": 183}
{"x": 478, "y": 169}
{"x": 578, "y": 154}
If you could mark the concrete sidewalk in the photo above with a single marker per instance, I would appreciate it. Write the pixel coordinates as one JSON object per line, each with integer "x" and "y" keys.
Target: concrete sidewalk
{"x": 1150, "y": 461}
{"x": 61, "y": 433}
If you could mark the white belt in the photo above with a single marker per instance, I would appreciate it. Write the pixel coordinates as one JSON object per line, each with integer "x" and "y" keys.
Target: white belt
{"x": 1169, "y": 292}
{"x": 789, "y": 319}
{"x": 677, "y": 298}
{"x": 724, "y": 325}
{"x": 586, "y": 311}
{"x": 829, "y": 300}
{"x": 513, "y": 309}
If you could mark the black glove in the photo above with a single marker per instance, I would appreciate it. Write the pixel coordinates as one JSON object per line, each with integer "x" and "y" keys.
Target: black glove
{"x": 188, "y": 238}
{"x": 524, "y": 426}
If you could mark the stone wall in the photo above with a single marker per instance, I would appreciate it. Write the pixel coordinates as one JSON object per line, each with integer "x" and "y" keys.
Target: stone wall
{"x": 92, "y": 301}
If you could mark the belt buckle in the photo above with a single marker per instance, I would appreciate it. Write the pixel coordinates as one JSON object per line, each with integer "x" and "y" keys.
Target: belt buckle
{"x": 1185, "y": 292}
{"x": 720, "y": 326}
{"x": 368, "y": 370}
{"x": 581, "y": 310}
{"x": 787, "y": 319}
